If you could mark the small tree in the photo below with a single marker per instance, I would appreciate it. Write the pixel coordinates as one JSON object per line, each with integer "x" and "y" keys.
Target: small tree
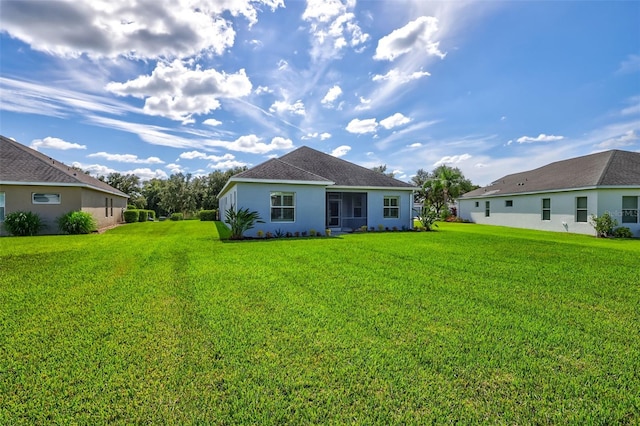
{"x": 241, "y": 221}
{"x": 23, "y": 224}
{"x": 427, "y": 217}
{"x": 603, "y": 225}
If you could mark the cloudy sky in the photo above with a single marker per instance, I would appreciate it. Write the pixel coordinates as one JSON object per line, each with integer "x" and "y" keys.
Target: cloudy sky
{"x": 159, "y": 87}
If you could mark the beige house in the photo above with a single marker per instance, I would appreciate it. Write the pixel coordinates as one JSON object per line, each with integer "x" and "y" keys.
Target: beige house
{"x": 32, "y": 181}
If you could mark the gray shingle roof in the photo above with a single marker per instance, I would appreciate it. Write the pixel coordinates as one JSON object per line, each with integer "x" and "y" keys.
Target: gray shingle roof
{"x": 307, "y": 164}
{"x": 609, "y": 168}
{"x": 20, "y": 164}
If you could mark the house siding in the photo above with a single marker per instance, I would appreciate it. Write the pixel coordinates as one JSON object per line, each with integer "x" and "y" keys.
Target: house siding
{"x": 526, "y": 211}
{"x": 19, "y": 198}
{"x": 375, "y": 209}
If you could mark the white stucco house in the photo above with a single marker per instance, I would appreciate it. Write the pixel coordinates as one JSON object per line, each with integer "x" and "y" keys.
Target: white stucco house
{"x": 562, "y": 196}
{"x": 307, "y": 189}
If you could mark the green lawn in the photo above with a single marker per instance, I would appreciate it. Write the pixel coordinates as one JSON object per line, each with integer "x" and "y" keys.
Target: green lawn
{"x": 164, "y": 323}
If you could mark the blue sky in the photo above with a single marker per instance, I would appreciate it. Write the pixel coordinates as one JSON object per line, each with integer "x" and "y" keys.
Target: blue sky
{"x": 156, "y": 88}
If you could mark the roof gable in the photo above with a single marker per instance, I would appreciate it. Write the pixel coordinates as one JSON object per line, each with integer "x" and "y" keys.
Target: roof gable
{"x": 307, "y": 164}
{"x": 21, "y": 164}
{"x": 609, "y": 168}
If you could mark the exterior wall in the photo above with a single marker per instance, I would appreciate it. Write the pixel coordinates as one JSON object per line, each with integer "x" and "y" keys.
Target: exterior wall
{"x": 309, "y": 206}
{"x": 375, "y": 209}
{"x": 19, "y": 198}
{"x": 94, "y": 202}
{"x": 526, "y": 211}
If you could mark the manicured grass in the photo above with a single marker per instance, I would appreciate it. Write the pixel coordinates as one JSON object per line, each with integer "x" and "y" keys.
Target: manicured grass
{"x": 164, "y": 323}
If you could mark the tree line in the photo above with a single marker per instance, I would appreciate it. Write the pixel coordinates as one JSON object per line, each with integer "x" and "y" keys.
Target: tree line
{"x": 180, "y": 193}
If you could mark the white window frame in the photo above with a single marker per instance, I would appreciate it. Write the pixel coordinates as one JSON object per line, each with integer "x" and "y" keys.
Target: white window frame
{"x": 487, "y": 209}
{"x": 635, "y": 209}
{"x": 48, "y": 196}
{"x": 582, "y": 209}
{"x": 545, "y": 209}
{"x": 2, "y": 206}
{"x": 388, "y": 207}
{"x": 282, "y": 207}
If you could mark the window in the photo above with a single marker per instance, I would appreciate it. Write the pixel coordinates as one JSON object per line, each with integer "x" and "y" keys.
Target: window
{"x": 477, "y": 203}
{"x": 546, "y": 209}
{"x": 487, "y": 208}
{"x": 391, "y": 207}
{"x": 1, "y": 206}
{"x": 37, "y": 198}
{"x": 508, "y": 203}
{"x": 581, "y": 209}
{"x": 357, "y": 206}
{"x": 629, "y": 209}
{"x": 111, "y": 205}
{"x": 283, "y": 206}
{"x": 106, "y": 206}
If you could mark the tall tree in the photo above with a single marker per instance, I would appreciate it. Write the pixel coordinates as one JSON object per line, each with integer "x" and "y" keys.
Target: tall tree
{"x": 177, "y": 195}
{"x": 442, "y": 186}
{"x": 382, "y": 169}
{"x": 129, "y": 183}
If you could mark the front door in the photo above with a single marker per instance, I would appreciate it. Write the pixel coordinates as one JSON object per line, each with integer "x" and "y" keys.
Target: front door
{"x": 333, "y": 214}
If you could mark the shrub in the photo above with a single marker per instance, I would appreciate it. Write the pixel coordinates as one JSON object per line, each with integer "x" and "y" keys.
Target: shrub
{"x": 327, "y": 232}
{"x": 131, "y": 207}
{"x": 260, "y": 234}
{"x": 427, "y": 217}
{"x": 131, "y": 216}
{"x": 312, "y": 232}
{"x": 603, "y": 225}
{"x": 151, "y": 214}
{"x": 241, "y": 221}
{"x": 208, "y": 215}
{"x": 22, "y": 224}
{"x": 142, "y": 216}
{"x": 622, "y": 232}
{"x": 77, "y": 222}
{"x": 176, "y": 216}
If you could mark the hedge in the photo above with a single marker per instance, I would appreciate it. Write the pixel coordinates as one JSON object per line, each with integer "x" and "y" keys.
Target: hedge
{"x": 131, "y": 216}
{"x": 208, "y": 215}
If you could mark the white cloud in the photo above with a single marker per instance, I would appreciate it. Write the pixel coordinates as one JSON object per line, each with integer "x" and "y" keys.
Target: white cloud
{"x": 176, "y": 92}
{"x": 356, "y": 125}
{"x": 630, "y": 65}
{"x": 126, "y": 158}
{"x": 55, "y": 143}
{"x": 225, "y": 165}
{"x": 263, "y": 89}
{"x": 254, "y": 145}
{"x": 283, "y": 106}
{"x": 143, "y": 173}
{"x": 341, "y": 151}
{"x": 212, "y": 122}
{"x": 175, "y": 168}
{"x": 191, "y": 155}
{"x": 333, "y": 94}
{"x": 325, "y": 136}
{"x": 417, "y": 35}
{"x": 540, "y": 138}
{"x": 137, "y": 28}
{"x": 399, "y": 77}
{"x": 333, "y": 27}
{"x": 452, "y": 159}
{"x": 628, "y": 138}
{"x": 395, "y": 120}
{"x": 415, "y": 145}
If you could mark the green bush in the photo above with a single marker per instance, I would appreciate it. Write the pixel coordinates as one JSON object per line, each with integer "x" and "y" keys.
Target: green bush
{"x": 77, "y": 222}
{"x": 131, "y": 207}
{"x": 151, "y": 214}
{"x": 22, "y": 224}
{"x": 622, "y": 232}
{"x": 131, "y": 216}
{"x": 176, "y": 216}
{"x": 208, "y": 215}
{"x": 603, "y": 225}
{"x": 142, "y": 215}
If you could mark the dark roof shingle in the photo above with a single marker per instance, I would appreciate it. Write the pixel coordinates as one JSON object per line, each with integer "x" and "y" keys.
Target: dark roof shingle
{"x": 307, "y": 164}
{"x": 20, "y": 164}
{"x": 609, "y": 168}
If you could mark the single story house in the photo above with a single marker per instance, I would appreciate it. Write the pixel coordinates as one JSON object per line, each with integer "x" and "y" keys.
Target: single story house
{"x": 32, "y": 181}
{"x": 562, "y": 196}
{"x": 308, "y": 190}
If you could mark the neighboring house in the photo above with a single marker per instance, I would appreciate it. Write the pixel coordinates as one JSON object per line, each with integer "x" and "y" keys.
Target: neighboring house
{"x": 32, "y": 181}
{"x": 307, "y": 189}
{"x": 562, "y": 196}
